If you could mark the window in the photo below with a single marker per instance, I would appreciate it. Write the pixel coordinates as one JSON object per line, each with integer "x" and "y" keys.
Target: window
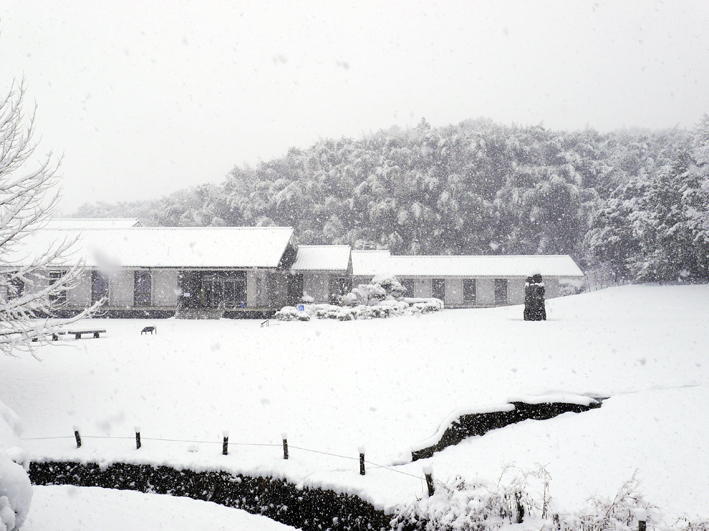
{"x": 15, "y": 288}
{"x": 57, "y": 297}
{"x": 500, "y": 291}
{"x": 99, "y": 286}
{"x": 142, "y": 288}
{"x": 408, "y": 284}
{"x": 339, "y": 286}
{"x": 224, "y": 289}
{"x": 469, "y": 291}
{"x": 438, "y": 288}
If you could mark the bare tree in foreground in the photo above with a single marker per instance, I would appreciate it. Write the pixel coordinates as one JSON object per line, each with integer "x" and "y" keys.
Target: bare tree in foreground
{"x": 32, "y": 285}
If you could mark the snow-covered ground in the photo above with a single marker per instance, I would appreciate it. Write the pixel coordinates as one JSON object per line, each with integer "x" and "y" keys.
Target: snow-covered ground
{"x": 67, "y": 508}
{"x": 387, "y": 384}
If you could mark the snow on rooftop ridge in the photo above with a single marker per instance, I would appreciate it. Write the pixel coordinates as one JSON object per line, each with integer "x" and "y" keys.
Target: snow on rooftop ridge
{"x": 322, "y": 258}
{"x": 91, "y": 223}
{"x": 373, "y": 262}
{"x": 173, "y": 247}
{"x": 484, "y": 265}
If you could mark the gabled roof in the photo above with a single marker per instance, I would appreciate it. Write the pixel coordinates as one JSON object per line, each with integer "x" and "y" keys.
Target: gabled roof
{"x": 371, "y": 262}
{"x": 92, "y": 223}
{"x": 322, "y": 258}
{"x": 484, "y": 265}
{"x": 178, "y": 247}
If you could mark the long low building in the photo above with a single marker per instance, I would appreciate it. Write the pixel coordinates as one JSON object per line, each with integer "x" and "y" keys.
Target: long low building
{"x": 239, "y": 271}
{"x": 462, "y": 281}
{"x": 158, "y": 270}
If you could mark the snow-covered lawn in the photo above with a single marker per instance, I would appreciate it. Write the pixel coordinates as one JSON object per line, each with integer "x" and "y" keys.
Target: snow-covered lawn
{"x": 66, "y": 508}
{"x": 387, "y": 384}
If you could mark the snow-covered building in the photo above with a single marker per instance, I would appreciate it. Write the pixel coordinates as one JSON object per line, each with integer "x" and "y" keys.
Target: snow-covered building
{"x": 321, "y": 271}
{"x": 158, "y": 270}
{"x": 257, "y": 270}
{"x": 466, "y": 280}
{"x": 489, "y": 280}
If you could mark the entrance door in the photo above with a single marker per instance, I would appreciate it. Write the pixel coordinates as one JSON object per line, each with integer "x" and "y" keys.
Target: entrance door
{"x": 224, "y": 290}
{"x": 295, "y": 289}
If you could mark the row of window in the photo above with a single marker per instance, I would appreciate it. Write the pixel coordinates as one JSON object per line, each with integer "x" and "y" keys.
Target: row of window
{"x": 438, "y": 289}
{"x": 142, "y": 287}
{"x": 232, "y": 291}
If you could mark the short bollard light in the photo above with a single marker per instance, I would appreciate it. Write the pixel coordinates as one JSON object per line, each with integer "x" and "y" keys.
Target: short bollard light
{"x": 284, "y": 438}
{"x": 225, "y": 443}
{"x": 428, "y": 473}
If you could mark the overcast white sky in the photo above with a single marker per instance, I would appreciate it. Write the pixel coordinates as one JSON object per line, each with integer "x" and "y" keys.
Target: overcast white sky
{"x": 144, "y": 98}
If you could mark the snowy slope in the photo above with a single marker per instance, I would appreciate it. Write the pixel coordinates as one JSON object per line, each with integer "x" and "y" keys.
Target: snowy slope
{"x": 65, "y": 508}
{"x": 387, "y": 384}
{"x": 15, "y": 488}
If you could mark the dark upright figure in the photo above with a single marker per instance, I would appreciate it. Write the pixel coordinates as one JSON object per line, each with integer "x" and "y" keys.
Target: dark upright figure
{"x": 540, "y": 311}
{"x": 534, "y": 308}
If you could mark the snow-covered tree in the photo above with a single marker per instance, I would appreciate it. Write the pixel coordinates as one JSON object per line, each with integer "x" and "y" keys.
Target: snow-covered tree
{"x": 31, "y": 290}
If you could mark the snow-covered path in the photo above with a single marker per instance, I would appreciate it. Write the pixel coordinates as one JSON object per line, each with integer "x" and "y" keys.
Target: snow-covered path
{"x": 387, "y": 384}
{"x": 66, "y": 508}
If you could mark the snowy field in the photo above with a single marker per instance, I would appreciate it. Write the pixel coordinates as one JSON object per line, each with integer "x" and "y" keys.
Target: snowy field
{"x": 66, "y": 508}
{"x": 387, "y": 384}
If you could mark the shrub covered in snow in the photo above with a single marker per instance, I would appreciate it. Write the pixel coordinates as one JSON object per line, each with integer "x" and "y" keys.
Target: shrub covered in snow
{"x": 381, "y": 298}
{"x": 379, "y": 289}
{"x": 461, "y": 505}
{"x": 424, "y": 305}
{"x": 524, "y": 498}
{"x": 15, "y": 487}
{"x": 289, "y": 313}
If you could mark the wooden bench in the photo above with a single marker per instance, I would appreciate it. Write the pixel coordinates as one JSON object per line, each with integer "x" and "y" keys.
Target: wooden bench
{"x": 79, "y": 333}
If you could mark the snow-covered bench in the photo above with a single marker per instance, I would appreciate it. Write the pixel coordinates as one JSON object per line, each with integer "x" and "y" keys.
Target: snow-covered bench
{"x": 79, "y": 333}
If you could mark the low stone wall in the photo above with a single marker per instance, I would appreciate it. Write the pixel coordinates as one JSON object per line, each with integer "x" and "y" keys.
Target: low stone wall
{"x": 305, "y": 508}
{"x": 481, "y": 423}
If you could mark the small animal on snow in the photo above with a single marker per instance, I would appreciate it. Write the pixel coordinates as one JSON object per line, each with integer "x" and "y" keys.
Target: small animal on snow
{"x": 149, "y": 330}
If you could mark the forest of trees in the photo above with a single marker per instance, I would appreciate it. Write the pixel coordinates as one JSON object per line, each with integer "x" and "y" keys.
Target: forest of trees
{"x": 630, "y": 202}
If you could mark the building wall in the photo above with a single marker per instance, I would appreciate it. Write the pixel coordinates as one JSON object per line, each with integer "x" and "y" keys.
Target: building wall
{"x": 277, "y": 289}
{"x": 165, "y": 287}
{"x": 120, "y": 290}
{"x": 268, "y": 289}
{"x": 79, "y": 296}
{"x": 317, "y": 285}
{"x": 257, "y": 289}
{"x": 485, "y": 291}
{"x": 252, "y": 292}
{"x": 454, "y": 292}
{"x": 515, "y": 290}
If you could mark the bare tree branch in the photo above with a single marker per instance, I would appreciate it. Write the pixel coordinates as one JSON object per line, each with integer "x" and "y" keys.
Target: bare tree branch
{"x": 30, "y": 298}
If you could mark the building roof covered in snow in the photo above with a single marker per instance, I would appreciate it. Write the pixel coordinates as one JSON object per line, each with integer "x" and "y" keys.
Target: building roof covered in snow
{"x": 92, "y": 223}
{"x": 322, "y": 258}
{"x": 178, "y": 247}
{"x": 371, "y": 262}
{"x": 484, "y": 266}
